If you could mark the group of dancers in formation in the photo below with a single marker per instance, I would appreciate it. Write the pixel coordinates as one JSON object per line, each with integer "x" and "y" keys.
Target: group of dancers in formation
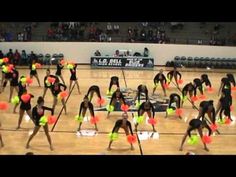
{"x": 56, "y": 84}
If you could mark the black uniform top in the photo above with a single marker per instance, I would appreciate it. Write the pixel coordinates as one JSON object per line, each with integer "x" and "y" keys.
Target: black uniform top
{"x": 26, "y": 106}
{"x": 57, "y": 89}
{"x": 121, "y": 96}
{"x": 171, "y": 73}
{"x": 151, "y": 108}
{"x": 197, "y": 82}
{"x": 14, "y": 79}
{"x": 204, "y": 105}
{"x": 22, "y": 89}
{"x": 160, "y": 77}
{"x": 205, "y": 80}
{"x": 59, "y": 68}
{"x": 143, "y": 89}
{"x": 114, "y": 79}
{"x": 73, "y": 73}
{"x": 32, "y": 72}
{"x": 93, "y": 88}
{"x": 119, "y": 124}
{"x": 226, "y": 102}
{"x": 172, "y": 100}
{"x": 231, "y": 79}
{"x": 90, "y": 106}
{"x": 226, "y": 82}
{"x": 188, "y": 87}
{"x": 195, "y": 124}
{"x": 45, "y": 78}
{"x": 8, "y": 75}
{"x": 36, "y": 115}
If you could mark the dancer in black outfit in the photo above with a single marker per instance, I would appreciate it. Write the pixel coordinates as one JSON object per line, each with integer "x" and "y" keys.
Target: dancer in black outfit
{"x": 37, "y": 113}
{"x": 207, "y": 107}
{"x": 174, "y": 73}
{"x": 33, "y": 72}
{"x": 24, "y": 107}
{"x": 114, "y": 81}
{"x": 159, "y": 78}
{"x": 1, "y": 141}
{"x": 86, "y": 104}
{"x": 174, "y": 103}
{"x": 94, "y": 89}
{"x": 73, "y": 78}
{"x": 13, "y": 82}
{"x": 46, "y": 84}
{"x": 141, "y": 89}
{"x": 124, "y": 124}
{"x": 56, "y": 89}
{"x": 205, "y": 80}
{"x": 58, "y": 72}
{"x": 225, "y": 86}
{"x": 193, "y": 125}
{"x": 188, "y": 88}
{"x": 149, "y": 109}
{"x": 197, "y": 83}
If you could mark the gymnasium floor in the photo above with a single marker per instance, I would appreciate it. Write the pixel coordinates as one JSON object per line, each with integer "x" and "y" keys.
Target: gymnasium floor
{"x": 65, "y": 141}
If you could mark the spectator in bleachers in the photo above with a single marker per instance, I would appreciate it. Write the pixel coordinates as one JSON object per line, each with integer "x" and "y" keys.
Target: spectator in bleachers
{"x": 97, "y": 53}
{"x": 24, "y": 58}
{"x": 146, "y": 52}
{"x": 128, "y": 53}
{"x": 117, "y": 53}
{"x": 10, "y": 55}
{"x": 103, "y": 37}
{"x": 150, "y": 34}
{"x": 50, "y": 34}
{"x": 109, "y": 28}
{"x": 143, "y": 35}
{"x": 116, "y": 28}
{"x": 16, "y": 58}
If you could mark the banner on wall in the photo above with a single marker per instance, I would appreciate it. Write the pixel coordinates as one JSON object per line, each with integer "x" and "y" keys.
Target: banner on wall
{"x": 122, "y": 62}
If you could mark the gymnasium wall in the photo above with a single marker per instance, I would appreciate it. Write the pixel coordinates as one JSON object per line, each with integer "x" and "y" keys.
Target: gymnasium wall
{"x": 81, "y": 51}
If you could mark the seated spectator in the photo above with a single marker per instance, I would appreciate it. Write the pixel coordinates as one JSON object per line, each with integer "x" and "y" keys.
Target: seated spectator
{"x": 116, "y": 28}
{"x": 146, "y": 52}
{"x": 10, "y": 55}
{"x": 109, "y": 28}
{"x": 128, "y": 53}
{"x": 24, "y": 58}
{"x": 97, "y": 53}
{"x": 117, "y": 53}
{"x": 103, "y": 37}
{"x": 143, "y": 35}
{"x": 17, "y": 58}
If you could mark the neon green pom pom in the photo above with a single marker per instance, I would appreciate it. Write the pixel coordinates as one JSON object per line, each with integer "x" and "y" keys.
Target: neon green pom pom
{"x": 170, "y": 111}
{"x": 113, "y": 136}
{"x": 1, "y": 61}
{"x": 110, "y": 108}
{"x": 183, "y": 98}
{"x": 15, "y": 100}
{"x": 47, "y": 83}
{"x": 110, "y": 93}
{"x": 4, "y": 69}
{"x": 220, "y": 121}
{"x": 70, "y": 66}
{"x": 79, "y": 118}
{"x": 193, "y": 140}
{"x": 43, "y": 120}
{"x": 33, "y": 67}
{"x": 139, "y": 119}
{"x": 137, "y": 104}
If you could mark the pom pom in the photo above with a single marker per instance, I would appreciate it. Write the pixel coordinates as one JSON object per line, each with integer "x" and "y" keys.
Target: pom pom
{"x": 29, "y": 80}
{"x": 139, "y": 119}
{"x": 79, "y": 118}
{"x": 1, "y": 61}
{"x": 227, "y": 121}
{"x": 62, "y": 62}
{"x": 193, "y": 140}
{"x": 202, "y": 97}
{"x": 4, "y": 69}
{"x": 70, "y": 66}
{"x": 221, "y": 121}
{"x": 110, "y": 108}
{"x": 137, "y": 104}
{"x": 152, "y": 121}
{"x": 43, "y": 120}
{"x": 38, "y": 65}
{"x": 51, "y": 80}
{"x": 170, "y": 111}
{"x": 33, "y": 67}
{"x": 213, "y": 127}
{"x": 166, "y": 86}
{"x": 23, "y": 80}
{"x": 194, "y": 98}
{"x": 62, "y": 95}
{"x": 206, "y": 139}
{"x": 179, "y": 112}
{"x": 231, "y": 108}
{"x": 184, "y": 98}
{"x": 15, "y": 100}
{"x": 6, "y": 60}
{"x": 180, "y": 81}
{"x": 100, "y": 101}
{"x": 52, "y": 119}
{"x": 233, "y": 88}
{"x": 47, "y": 83}
{"x": 25, "y": 98}
{"x": 110, "y": 93}
{"x": 210, "y": 90}
{"x": 3, "y": 105}
{"x": 131, "y": 139}
{"x": 113, "y": 136}
{"x": 94, "y": 120}
{"x": 124, "y": 107}
{"x": 156, "y": 85}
